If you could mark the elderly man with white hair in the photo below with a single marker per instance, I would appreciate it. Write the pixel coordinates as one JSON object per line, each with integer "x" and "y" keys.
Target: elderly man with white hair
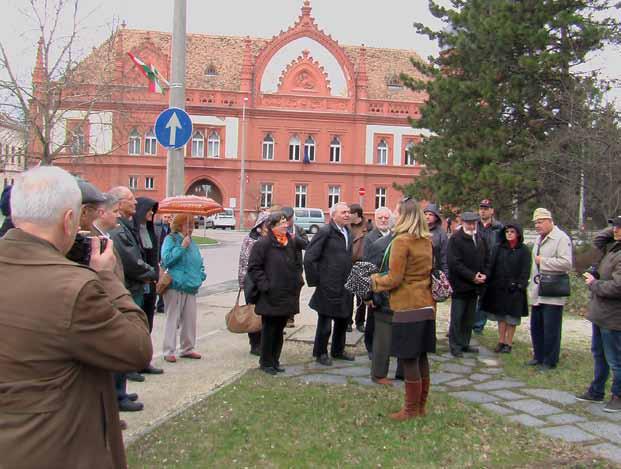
{"x": 65, "y": 327}
{"x": 327, "y": 264}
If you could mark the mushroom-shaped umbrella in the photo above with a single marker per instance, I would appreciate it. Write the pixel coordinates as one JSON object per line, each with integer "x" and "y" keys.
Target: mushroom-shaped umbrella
{"x": 191, "y": 204}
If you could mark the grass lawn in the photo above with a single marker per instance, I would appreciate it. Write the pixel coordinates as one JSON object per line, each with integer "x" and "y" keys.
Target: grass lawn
{"x": 203, "y": 240}
{"x": 261, "y": 421}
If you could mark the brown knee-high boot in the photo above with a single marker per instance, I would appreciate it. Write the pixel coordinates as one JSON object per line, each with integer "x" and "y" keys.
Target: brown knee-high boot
{"x": 423, "y": 396}
{"x": 410, "y": 408}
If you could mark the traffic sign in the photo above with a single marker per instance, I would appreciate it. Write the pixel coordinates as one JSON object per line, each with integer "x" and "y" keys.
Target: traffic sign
{"x": 173, "y": 128}
{"x": 361, "y": 192}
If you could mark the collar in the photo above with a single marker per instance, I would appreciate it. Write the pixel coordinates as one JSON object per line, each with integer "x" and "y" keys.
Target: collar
{"x": 22, "y": 248}
{"x": 554, "y": 234}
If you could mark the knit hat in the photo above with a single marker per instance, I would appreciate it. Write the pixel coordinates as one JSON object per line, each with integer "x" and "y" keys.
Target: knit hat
{"x": 541, "y": 214}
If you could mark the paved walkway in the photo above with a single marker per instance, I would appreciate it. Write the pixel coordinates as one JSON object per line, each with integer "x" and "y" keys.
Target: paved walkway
{"x": 480, "y": 379}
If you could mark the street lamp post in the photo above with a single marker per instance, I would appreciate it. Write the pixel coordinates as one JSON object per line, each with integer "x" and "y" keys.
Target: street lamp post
{"x": 242, "y": 180}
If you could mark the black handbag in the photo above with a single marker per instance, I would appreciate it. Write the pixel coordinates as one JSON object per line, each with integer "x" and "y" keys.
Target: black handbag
{"x": 552, "y": 285}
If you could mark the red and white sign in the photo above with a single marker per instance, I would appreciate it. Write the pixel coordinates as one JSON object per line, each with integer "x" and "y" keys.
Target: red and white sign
{"x": 361, "y": 192}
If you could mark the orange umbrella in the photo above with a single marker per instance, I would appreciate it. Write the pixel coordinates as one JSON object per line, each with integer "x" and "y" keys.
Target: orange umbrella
{"x": 191, "y": 204}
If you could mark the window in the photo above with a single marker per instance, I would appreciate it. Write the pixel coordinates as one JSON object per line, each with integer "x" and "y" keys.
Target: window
{"x": 211, "y": 70}
{"x": 309, "y": 149}
{"x": 150, "y": 143}
{"x": 334, "y": 195}
{"x": 133, "y": 182}
{"x": 77, "y": 141}
{"x": 300, "y": 195}
{"x": 198, "y": 144}
{"x": 335, "y": 150}
{"x": 294, "y": 148}
{"x": 149, "y": 183}
{"x": 267, "y": 190}
{"x": 394, "y": 83}
{"x": 409, "y": 155}
{"x": 134, "y": 142}
{"x": 213, "y": 145}
{"x": 268, "y": 147}
{"x": 380, "y": 197}
{"x": 382, "y": 152}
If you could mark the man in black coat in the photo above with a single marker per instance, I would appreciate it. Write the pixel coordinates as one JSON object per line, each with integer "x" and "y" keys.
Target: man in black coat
{"x": 467, "y": 260}
{"x": 327, "y": 263}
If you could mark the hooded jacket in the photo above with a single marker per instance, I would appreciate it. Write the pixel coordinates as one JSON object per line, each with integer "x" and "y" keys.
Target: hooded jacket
{"x": 439, "y": 239}
{"x": 605, "y": 305}
{"x": 152, "y": 254}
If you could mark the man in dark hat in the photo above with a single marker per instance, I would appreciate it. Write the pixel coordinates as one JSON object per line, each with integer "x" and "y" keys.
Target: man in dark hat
{"x": 92, "y": 201}
{"x": 467, "y": 261}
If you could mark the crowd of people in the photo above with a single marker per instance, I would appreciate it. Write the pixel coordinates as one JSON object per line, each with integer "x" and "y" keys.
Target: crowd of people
{"x": 99, "y": 261}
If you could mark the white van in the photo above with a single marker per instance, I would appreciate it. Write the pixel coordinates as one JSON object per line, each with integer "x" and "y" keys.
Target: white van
{"x": 222, "y": 220}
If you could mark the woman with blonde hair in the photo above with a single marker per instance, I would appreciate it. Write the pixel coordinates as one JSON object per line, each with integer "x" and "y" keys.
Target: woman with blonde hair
{"x": 184, "y": 263}
{"x": 408, "y": 282}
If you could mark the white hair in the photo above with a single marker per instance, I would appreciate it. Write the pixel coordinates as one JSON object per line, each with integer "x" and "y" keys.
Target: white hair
{"x": 383, "y": 209}
{"x": 42, "y": 196}
{"x": 334, "y": 207}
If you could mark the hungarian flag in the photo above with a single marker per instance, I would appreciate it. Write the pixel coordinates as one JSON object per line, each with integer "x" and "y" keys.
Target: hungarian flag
{"x": 151, "y": 73}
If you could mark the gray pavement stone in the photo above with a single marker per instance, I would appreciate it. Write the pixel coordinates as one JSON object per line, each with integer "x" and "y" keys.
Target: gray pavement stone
{"x": 306, "y": 333}
{"x": 492, "y": 371}
{"x": 486, "y": 353}
{"x": 364, "y": 381}
{"x": 442, "y": 377}
{"x": 455, "y": 368}
{"x": 527, "y": 420}
{"x": 598, "y": 411}
{"x": 489, "y": 361}
{"x": 565, "y": 419}
{"x": 479, "y": 377}
{"x": 437, "y": 358}
{"x": 534, "y": 407}
{"x": 468, "y": 361}
{"x": 350, "y": 371}
{"x": 320, "y": 378}
{"x": 437, "y": 388}
{"x": 610, "y": 431}
{"x": 293, "y": 370}
{"x": 507, "y": 395}
{"x": 607, "y": 451}
{"x": 560, "y": 397}
{"x": 498, "y": 384}
{"x": 497, "y": 409}
{"x": 314, "y": 366}
{"x": 459, "y": 383}
{"x": 473, "y": 396}
{"x": 568, "y": 433}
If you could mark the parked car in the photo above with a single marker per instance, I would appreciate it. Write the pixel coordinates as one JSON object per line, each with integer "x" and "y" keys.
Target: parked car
{"x": 222, "y": 220}
{"x": 310, "y": 219}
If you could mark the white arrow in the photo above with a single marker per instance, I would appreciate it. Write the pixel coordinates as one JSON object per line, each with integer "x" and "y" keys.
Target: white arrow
{"x": 173, "y": 125}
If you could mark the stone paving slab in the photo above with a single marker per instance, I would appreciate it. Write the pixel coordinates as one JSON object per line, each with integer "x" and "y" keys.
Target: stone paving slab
{"x": 468, "y": 361}
{"x": 492, "y": 371}
{"x": 441, "y": 377}
{"x": 437, "y": 358}
{"x": 607, "y": 451}
{"x": 293, "y": 370}
{"x": 560, "y": 397}
{"x": 473, "y": 396}
{"x": 507, "y": 395}
{"x": 364, "y": 381}
{"x": 460, "y": 383}
{"x": 350, "y": 371}
{"x": 320, "y": 378}
{"x": 479, "y": 377}
{"x": 565, "y": 419}
{"x": 306, "y": 334}
{"x": 498, "y": 384}
{"x": 568, "y": 433}
{"x": 314, "y": 366}
{"x": 455, "y": 368}
{"x": 534, "y": 407}
{"x": 526, "y": 420}
{"x": 489, "y": 361}
{"x": 608, "y": 430}
{"x": 497, "y": 409}
{"x": 598, "y": 411}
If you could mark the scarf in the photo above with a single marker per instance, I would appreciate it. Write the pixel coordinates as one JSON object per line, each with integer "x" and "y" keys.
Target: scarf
{"x": 513, "y": 243}
{"x": 281, "y": 238}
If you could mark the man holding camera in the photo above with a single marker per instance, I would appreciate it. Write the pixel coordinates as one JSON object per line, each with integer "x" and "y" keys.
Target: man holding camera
{"x": 76, "y": 327}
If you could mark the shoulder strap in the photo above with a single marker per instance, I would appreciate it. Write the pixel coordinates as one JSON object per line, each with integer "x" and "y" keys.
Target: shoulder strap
{"x": 386, "y": 257}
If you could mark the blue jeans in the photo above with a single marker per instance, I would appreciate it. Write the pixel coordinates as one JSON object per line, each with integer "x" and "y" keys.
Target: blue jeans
{"x": 545, "y": 331}
{"x": 606, "y": 349}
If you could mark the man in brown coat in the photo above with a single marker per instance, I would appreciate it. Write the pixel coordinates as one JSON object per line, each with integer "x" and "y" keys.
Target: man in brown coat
{"x": 64, "y": 327}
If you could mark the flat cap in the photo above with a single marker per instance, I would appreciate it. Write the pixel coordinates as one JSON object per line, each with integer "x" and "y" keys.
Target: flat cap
{"x": 541, "y": 214}
{"x": 90, "y": 194}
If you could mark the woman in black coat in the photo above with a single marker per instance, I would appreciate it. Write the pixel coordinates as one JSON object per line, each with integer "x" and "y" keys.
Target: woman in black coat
{"x": 505, "y": 298}
{"x": 274, "y": 269}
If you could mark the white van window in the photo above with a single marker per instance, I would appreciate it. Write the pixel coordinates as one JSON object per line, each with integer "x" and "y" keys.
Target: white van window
{"x": 227, "y": 212}
{"x": 301, "y": 213}
{"x": 316, "y": 214}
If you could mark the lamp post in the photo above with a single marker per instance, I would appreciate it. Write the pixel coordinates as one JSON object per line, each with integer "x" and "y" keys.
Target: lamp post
{"x": 242, "y": 179}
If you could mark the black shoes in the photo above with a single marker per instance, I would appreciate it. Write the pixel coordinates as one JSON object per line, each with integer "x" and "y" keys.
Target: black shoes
{"x": 349, "y": 328}
{"x": 360, "y": 327}
{"x": 270, "y": 370}
{"x": 324, "y": 360}
{"x": 470, "y": 349}
{"x": 457, "y": 353}
{"x": 127, "y": 405}
{"x": 132, "y": 396}
{"x": 344, "y": 356}
{"x": 279, "y": 369}
{"x": 151, "y": 370}
{"x": 506, "y": 349}
{"x": 588, "y": 397}
{"x": 255, "y": 351}
{"x": 135, "y": 376}
{"x": 533, "y": 362}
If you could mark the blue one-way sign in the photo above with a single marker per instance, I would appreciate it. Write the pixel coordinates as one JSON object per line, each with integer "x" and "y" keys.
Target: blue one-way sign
{"x": 173, "y": 128}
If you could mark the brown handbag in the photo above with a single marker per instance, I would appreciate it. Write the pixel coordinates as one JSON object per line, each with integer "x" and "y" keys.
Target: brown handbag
{"x": 164, "y": 281}
{"x": 242, "y": 319}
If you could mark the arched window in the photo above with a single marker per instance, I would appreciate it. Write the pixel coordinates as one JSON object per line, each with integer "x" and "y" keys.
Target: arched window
{"x": 268, "y": 147}
{"x": 198, "y": 145}
{"x": 134, "y": 142}
{"x": 211, "y": 70}
{"x": 409, "y": 155}
{"x": 77, "y": 141}
{"x": 335, "y": 150}
{"x": 213, "y": 145}
{"x": 394, "y": 83}
{"x": 150, "y": 143}
{"x": 382, "y": 152}
{"x": 309, "y": 149}
{"x": 294, "y": 148}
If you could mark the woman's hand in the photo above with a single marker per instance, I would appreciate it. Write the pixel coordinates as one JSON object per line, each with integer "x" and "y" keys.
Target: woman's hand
{"x": 186, "y": 242}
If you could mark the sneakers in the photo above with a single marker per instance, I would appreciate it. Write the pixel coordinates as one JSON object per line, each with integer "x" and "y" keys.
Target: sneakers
{"x": 588, "y": 397}
{"x": 613, "y": 405}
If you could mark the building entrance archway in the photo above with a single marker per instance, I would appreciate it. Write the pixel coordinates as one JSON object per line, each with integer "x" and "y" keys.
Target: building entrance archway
{"x": 207, "y": 188}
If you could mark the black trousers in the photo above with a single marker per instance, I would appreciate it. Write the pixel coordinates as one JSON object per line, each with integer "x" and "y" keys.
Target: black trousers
{"x": 369, "y": 330}
{"x": 322, "y": 336}
{"x": 462, "y": 318}
{"x": 272, "y": 340}
{"x": 149, "y": 306}
{"x": 254, "y": 338}
{"x": 361, "y": 310}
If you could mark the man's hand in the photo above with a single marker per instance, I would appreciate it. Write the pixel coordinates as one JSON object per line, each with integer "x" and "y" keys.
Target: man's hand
{"x": 588, "y": 278}
{"x": 538, "y": 260}
{"x": 479, "y": 278}
{"x": 186, "y": 242}
{"x": 101, "y": 260}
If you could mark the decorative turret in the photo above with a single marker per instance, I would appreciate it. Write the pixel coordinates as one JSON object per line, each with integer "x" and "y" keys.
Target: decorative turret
{"x": 306, "y": 19}
{"x": 246, "y": 73}
{"x": 38, "y": 74}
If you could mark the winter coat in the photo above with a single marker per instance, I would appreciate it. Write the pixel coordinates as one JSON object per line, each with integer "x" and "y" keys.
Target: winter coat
{"x": 464, "y": 261}
{"x": 409, "y": 274}
{"x": 327, "y": 264}
{"x": 439, "y": 240}
{"x": 492, "y": 234}
{"x": 555, "y": 250}
{"x": 273, "y": 269}
{"x": 185, "y": 265}
{"x": 375, "y": 255}
{"x": 358, "y": 233}
{"x": 152, "y": 255}
{"x": 61, "y": 341}
{"x": 605, "y": 305}
{"x": 507, "y": 278}
{"x": 369, "y": 239}
{"x": 129, "y": 250}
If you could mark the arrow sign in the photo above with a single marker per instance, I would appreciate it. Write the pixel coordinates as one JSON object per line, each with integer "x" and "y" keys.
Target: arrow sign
{"x": 173, "y": 128}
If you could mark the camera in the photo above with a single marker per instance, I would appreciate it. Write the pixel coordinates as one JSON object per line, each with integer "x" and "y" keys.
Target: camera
{"x": 80, "y": 252}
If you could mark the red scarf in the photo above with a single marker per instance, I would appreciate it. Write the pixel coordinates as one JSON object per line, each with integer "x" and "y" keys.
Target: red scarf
{"x": 281, "y": 238}
{"x": 513, "y": 243}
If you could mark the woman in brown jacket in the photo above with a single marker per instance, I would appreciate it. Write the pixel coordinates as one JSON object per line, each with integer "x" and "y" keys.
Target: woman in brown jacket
{"x": 408, "y": 282}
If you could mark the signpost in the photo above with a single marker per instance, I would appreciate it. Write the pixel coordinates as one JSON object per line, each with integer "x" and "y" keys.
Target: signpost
{"x": 173, "y": 128}
{"x": 361, "y": 192}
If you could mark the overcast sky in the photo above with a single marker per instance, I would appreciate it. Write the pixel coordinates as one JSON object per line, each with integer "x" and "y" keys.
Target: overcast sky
{"x": 385, "y": 23}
